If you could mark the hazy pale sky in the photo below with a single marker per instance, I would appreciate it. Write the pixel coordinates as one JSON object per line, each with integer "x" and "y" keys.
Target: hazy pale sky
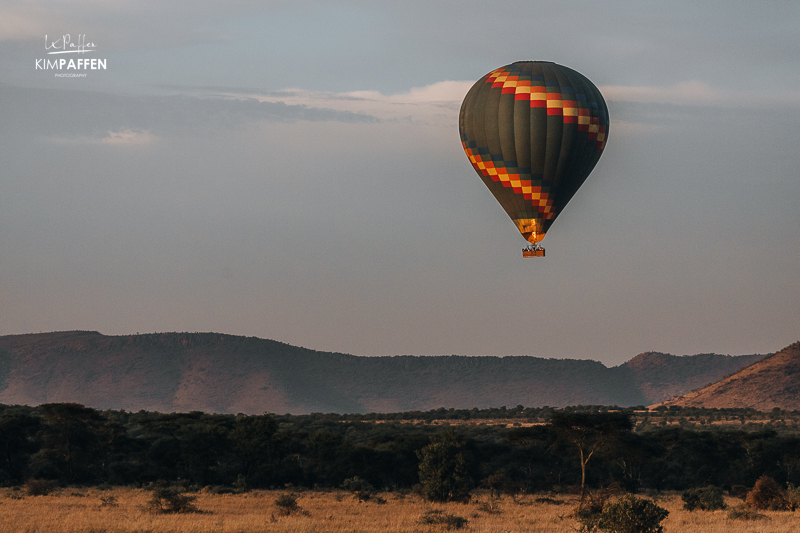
{"x": 292, "y": 170}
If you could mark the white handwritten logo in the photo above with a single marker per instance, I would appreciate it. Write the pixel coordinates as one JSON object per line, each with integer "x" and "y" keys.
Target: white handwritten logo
{"x": 65, "y": 45}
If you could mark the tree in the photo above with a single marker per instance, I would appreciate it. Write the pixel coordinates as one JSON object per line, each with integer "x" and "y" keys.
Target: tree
{"x": 535, "y": 462}
{"x": 443, "y": 469}
{"x": 16, "y": 444}
{"x": 203, "y": 448}
{"x": 589, "y": 432}
{"x": 190, "y": 445}
{"x": 254, "y": 445}
{"x": 74, "y": 435}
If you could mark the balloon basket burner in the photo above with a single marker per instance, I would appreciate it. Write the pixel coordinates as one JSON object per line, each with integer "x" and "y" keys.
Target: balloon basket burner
{"x": 533, "y": 252}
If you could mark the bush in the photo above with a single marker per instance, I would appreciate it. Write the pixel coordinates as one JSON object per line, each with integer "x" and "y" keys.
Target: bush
{"x": 793, "y": 496}
{"x": 741, "y": 512}
{"x": 217, "y": 489}
{"x": 240, "y": 485}
{"x": 443, "y": 469}
{"x": 738, "y": 491}
{"x": 166, "y": 500}
{"x": 449, "y": 521}
{"x": 40, "y": 487}
{"x": 590, "y": 510}
{"x": 491, "y": 506}
{"x": 706, "y": 499}
{"x": 287, "y": 504}
{"x": 362, "y": 489}
{"x": 629, "y": 514}
{"x": 768, "y": 495}
{"x": 108, "y": 501}
{"x": 498, "y": 483}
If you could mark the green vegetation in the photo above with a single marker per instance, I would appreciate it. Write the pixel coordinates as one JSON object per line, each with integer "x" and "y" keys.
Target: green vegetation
{"x": 629, "y": 514}
{"x": 768, "y": 495}
{"x": 742, "y": 512}
{"x": 40, "y": 487}
{"x": 443, "y": 469}
{"x": 362, "y": 490}
{"x": 520, "y": 450}
{"x": 287, "y": 504}
{"x": 706, "y": 499}
{"x": 449, "y": 521}
{"x": 590, "y": 433}
{"x": 167, "y": 499}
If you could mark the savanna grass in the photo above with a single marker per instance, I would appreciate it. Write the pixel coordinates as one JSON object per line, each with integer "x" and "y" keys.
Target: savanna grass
{"x": 81, "y": 510}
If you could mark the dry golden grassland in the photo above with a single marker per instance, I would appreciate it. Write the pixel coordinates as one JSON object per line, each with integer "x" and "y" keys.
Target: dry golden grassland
{"x": 82, "y": 511}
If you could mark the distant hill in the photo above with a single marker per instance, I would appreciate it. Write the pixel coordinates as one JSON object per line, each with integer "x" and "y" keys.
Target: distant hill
{"x": 766, "y": 384}
{"x": 213, "y": 372}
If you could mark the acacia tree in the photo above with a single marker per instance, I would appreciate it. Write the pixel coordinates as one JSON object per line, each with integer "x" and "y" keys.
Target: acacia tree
{"x": 590, "y": 432}
{"x": 79, "y": 438}
{"x": 443, "y": 469}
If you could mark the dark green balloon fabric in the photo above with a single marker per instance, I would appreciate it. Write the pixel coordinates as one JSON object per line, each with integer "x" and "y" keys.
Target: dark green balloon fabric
{"x": 533, "y": 130}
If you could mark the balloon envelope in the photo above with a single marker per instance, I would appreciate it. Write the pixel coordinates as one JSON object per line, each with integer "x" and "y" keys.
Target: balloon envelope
{"x": 533, "y": 131}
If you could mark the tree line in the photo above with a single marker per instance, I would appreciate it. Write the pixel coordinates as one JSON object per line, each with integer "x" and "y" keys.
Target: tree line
{"x": 76, "y": 445}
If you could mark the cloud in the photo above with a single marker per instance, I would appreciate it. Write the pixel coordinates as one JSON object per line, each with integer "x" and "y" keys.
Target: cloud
{"x": 438, "y": 103}
{"x": 128, "y": 137}
{"x": 123, "y": 137}
{"x": 122, "y": 120}
{"x": 697, "y": 93}
{"x": 435, "y": 104}
{"x": 443, "y": 91}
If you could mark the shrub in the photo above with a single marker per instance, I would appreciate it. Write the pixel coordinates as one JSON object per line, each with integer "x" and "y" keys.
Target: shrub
{"x": 217, "y": 489}
{"x": 166, "y": 500}
{"x": 706, "y": 499}
{"x": 449, "y": 521}
{"x": 240, "y": 485}
{"x": 629, "y": 514}
{"x": 793, "y": 496}
{"x": 738, "y": 491}
{"x": 108, "y": 501}
{"x": 491, "y": 506}
{"x": 287, "y": 504}
{"x": 767, "y": 494}
{"x": 39, "y": 487}
{"x": 443, "y": 469}
{"x": 362, "y": 489}
{"x": 590, "y": 510}
{"x": 741, "y": 512}
{"x": 498, "y": 483}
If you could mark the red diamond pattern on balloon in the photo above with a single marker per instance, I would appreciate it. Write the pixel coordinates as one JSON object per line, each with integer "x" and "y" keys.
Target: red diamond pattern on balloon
{"x": 539, "y": 196}
{"x": 555, "y": 103}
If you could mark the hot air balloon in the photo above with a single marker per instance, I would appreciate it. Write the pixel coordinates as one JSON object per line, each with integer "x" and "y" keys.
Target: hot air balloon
{"x": 533, "y": 131}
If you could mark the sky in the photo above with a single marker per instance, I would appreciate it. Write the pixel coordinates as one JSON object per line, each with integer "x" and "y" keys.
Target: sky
{"x": 291, "y": 170}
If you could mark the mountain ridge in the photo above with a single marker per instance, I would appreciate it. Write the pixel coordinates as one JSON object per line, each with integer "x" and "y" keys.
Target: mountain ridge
{"x": 216, "y": 372}
{"x": 771, "y": 382}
